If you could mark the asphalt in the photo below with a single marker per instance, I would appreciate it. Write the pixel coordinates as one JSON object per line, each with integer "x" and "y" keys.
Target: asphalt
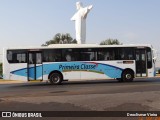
{"x": 100, "y": 95}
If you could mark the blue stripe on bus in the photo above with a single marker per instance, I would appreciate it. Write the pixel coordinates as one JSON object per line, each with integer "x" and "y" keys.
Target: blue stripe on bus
{"x": 20, "y": 72}
{"x": 23, "y": 72}
{"x": 39, "y": 72}
{"x": 109, "y": 70}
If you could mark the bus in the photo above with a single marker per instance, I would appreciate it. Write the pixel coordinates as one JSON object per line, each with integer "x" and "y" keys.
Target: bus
{"x": 71, "y": 62}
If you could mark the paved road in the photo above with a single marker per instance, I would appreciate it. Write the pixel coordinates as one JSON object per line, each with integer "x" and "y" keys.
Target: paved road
{"x": 142, "y": 94}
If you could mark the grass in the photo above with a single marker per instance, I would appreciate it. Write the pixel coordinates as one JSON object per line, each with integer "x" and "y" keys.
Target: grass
{"x": 9, "y": 81}
{"x": 2, "y": 80}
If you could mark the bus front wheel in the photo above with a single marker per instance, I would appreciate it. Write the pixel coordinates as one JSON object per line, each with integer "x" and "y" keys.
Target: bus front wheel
{"x": 56, "y": 78}
{"x": 127, "y": 76}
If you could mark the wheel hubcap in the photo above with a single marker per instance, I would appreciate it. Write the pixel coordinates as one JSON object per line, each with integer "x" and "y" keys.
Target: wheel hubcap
{"x": 128, "y": 76}
{"x": 56, "y": 79}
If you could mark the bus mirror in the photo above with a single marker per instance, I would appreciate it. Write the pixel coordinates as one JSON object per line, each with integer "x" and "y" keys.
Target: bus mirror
{"x": 155, "y": 58}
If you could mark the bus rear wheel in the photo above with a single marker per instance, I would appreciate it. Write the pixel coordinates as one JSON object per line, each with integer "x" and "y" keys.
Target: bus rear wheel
{"x": 127, "y": 76}
{"x": 56, "y": 78}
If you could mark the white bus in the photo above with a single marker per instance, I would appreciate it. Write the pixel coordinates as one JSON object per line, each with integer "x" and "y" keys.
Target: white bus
{"x": 58, "y": 63}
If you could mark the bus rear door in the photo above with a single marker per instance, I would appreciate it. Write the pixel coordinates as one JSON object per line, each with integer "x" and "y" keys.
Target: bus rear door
{"x": 35, "y": 66}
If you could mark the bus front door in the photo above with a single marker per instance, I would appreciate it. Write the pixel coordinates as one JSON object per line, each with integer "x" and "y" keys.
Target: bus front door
{"x": 35, "y": 65}
{"x": 141, "y": 67}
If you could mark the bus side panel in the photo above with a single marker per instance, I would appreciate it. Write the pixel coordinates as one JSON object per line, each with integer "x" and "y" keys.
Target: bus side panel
{"x": 103, "y": 70}
{"x": 108, "y": 70}
{"x": 18, "y": 72}
{"x": 14, "y": 71}
{"x": 151, "y": 72}
{"x": 88, "y": 70}
{"x": 45, "y": 72}
{"x": 67, "y": 74}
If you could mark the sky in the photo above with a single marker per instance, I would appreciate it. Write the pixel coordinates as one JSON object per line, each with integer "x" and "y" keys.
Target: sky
{"x": 33, "y": 22}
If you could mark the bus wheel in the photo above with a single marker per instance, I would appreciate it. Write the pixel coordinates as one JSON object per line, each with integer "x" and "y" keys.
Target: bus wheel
{"x": 56, "y": 78}
{"x": 127, "y": 76}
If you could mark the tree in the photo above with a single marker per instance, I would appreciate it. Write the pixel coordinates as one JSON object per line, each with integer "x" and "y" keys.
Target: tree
{"x": 1, "y": 69}
{"x": 110, "y": 42}
{"x": 61, "y": 39}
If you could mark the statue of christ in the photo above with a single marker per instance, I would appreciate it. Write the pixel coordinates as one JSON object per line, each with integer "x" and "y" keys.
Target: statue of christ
{"x": 80, "y": 22}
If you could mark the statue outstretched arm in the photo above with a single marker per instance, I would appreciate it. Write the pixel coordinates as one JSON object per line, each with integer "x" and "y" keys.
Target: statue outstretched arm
{"x": 87, "y": 10}
{"x": 90, "y": 7}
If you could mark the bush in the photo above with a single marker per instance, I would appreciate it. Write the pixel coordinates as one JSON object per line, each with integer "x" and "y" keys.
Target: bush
{"x": 1, "y": 69}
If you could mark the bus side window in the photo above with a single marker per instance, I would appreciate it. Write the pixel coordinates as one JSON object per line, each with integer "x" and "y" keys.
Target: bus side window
{"x": 106, "y": 56}
{"x": 52, "y": 55}
{"x": 68, "y": 57}
{"x": 126, "y": 53}
{"x": 102, "y": 55}
{"x": 38, "y": 58}
{"x": 30, "y": 59}
{"x": 16, "y": 56}
{"x": 71, "y": 54}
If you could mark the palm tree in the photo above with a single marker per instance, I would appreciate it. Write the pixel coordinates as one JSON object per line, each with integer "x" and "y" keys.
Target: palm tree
{"x": 61, "y": 39}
